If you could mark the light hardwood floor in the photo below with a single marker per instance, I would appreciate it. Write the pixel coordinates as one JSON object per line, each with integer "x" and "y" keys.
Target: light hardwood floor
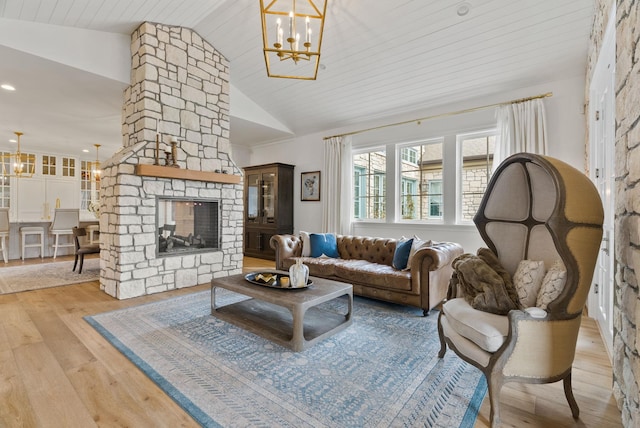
{"x": 56, "y": 371}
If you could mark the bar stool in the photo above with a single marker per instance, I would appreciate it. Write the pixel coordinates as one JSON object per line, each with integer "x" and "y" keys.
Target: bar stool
{"x": 32, "y": 230}
{"x": 94, "y": 232}
{"x": 64, "y": 220}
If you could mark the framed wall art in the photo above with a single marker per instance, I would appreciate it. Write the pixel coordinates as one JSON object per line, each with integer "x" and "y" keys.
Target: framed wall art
{"x": 310, "y": 186}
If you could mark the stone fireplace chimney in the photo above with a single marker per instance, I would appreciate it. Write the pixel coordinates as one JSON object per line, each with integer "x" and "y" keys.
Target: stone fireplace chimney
{"x": 179, "y": 90}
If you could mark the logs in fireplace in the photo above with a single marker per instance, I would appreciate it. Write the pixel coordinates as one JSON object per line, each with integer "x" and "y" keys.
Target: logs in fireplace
{"x": 187, "y": 225}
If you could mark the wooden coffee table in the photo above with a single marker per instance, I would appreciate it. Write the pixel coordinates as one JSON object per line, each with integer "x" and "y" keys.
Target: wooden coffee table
{"x": 288, "y": 317}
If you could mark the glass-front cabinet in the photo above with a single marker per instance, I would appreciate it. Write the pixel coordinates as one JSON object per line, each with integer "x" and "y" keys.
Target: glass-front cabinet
{"x": 268, "y": 205}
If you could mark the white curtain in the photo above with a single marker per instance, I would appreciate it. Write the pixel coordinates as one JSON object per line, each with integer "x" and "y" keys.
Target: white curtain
{"x": 521, "y": 128}
{"x": 337, "y": 205}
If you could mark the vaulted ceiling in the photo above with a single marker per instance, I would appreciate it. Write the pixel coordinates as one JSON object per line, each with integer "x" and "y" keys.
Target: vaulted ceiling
{"x": 378, "y": 59}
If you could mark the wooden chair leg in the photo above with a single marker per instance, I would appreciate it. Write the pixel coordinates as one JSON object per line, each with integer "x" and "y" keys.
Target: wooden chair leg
{"x": 81, "y": 262}
{"x": 55, "y": 246}
{"x": 4, "y": 249}
{"x": 443, "y": 344}
{"x": 568, "y": 392}
{"x": 75, "y": 262}
{"x": 494, "y": 384}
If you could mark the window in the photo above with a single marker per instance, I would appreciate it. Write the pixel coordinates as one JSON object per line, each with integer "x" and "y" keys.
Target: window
{"x": 5, "y": 186}
{"x": 435, "y": 198}
{"x": 48, "y": 165}
{"x": 409, "y": 154}
{"x": 421, "y": 164}
{"x": 370, "y": 184}
{"x": 476, "y": 151}
{"x": 409, "y": 197}
{"x": 68, "y": 167}
{"x": 439, "y": 180}
{"x": 85, "y": 185}
{"x": 378, "y": 195}
{"x": 359, "y": 185}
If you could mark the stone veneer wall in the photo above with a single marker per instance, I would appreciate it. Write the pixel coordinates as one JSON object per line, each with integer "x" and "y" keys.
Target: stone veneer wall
{"x": 626, "y": 359}
{"x": 180, "y": 84}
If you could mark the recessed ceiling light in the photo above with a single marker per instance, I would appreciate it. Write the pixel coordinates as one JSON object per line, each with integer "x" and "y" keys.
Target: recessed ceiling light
{"x": 13, "y": 141}
{"x": 7, "y": 87}
{"x": 463, "y": 9}
{"x": 85, "y": 150}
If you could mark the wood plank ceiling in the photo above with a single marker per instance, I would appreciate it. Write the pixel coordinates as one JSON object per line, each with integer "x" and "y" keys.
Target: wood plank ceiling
{"x": 378, "y": 58}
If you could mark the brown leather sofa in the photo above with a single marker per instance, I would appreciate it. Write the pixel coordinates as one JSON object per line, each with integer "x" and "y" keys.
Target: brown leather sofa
{"x": 366, "y": 264}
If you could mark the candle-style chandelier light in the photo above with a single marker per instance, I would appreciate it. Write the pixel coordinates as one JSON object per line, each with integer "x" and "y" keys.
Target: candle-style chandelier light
{"x": 18, "y": 164}
{"x": 292, "y": 36}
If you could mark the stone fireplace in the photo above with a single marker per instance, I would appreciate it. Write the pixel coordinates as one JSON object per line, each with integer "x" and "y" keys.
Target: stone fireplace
{"x": 179, "y": 91}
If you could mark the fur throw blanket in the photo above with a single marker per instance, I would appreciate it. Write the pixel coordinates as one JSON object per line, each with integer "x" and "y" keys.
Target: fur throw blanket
{"x": 484, "y": 283}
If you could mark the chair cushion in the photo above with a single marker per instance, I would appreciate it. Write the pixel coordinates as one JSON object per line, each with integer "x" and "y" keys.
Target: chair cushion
{"x": 88, "y": 249}
{"x": 306, "y": 244}
{"x": 401, "y": 255}
{"x": 488, "y": 331}
{"x": 552, "y": 285}
{"x": 324, "y": 244}
{"x": 527, "y": 281}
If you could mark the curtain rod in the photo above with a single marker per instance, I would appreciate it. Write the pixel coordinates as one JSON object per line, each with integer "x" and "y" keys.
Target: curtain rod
{"x": 453, "y": 113}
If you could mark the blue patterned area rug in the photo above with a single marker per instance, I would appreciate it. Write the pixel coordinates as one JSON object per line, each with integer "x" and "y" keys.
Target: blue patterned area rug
{"x": 382, "y": 371}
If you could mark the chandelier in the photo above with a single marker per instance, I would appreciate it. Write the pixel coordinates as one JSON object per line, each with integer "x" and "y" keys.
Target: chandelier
{"x": 95, "y": 172}
{"x": 18, "y": 164}
{"x": 292, "y": 36}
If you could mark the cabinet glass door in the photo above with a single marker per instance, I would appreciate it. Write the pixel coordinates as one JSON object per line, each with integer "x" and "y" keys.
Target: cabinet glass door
{"x": 268, "y": 197}
{"x": 253, "y": 198}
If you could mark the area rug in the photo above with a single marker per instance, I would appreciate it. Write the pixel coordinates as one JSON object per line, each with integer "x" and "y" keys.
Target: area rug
{"x": 382, "y": 371}
{"x": 44, "y": 275}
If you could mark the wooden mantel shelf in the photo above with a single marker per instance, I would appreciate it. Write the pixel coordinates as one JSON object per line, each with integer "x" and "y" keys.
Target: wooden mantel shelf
{"x": 185, "y": 174}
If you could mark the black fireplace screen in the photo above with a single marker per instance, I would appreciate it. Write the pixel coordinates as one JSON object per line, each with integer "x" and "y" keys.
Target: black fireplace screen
{"x": 187, "y": 225}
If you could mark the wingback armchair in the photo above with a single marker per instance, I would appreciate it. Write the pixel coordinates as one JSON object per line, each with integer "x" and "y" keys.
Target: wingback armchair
{"x": 535, "y": 208}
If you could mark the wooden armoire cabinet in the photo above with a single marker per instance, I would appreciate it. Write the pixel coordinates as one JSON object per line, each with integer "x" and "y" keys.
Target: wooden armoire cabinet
{"x": 268, "y": 207}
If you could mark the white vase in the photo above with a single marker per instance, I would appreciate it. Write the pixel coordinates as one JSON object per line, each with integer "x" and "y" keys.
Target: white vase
{"x": 298, "y": 274}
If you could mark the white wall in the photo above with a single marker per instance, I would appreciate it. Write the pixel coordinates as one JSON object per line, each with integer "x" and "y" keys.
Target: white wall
{"x": 565, "y": 127}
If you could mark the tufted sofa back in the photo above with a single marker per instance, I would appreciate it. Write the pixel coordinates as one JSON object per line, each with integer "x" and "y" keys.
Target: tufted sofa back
{"x": 375, "y": 250}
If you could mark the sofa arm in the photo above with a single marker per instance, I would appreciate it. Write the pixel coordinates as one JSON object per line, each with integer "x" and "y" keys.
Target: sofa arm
{"x": 431, "y": 271}
{"x": 435, "y": 257}
{"x": 285, "y": 246}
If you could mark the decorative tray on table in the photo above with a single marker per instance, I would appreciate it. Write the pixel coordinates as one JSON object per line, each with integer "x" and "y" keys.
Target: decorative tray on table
{"x": 274, "y": 280}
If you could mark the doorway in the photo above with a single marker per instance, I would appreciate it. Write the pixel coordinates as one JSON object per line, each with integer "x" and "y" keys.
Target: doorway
{"x": 602, "y": 158}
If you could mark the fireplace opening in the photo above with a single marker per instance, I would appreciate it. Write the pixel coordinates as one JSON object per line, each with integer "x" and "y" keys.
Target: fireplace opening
{"x": 187, "y": 225}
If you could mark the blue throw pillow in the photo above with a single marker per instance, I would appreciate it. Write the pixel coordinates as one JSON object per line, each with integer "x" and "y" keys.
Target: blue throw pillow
{"x": 324, "y": 243}
{"x": 401, "y": 256}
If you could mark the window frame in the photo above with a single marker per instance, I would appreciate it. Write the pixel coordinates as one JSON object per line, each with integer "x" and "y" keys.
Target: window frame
{"x": 460, "y": 137}
{"x": 431, "y": 196}
{"x": 407, "y": 182}
{"x": 421, "y": 192}
{"x": 449, "y": 172}
{"x": 368, "y": 179}
{"x": 360, "y": 182}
